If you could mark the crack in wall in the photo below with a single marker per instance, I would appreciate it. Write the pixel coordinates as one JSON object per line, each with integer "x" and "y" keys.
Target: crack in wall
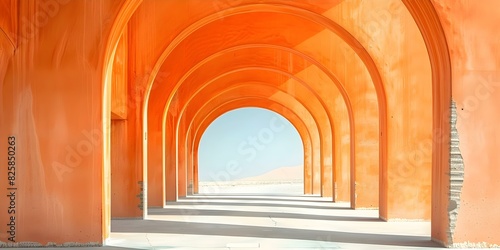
{"x": 456, "y": 174}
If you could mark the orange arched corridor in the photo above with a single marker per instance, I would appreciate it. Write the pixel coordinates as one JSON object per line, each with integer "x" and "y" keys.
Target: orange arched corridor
{"x": 103, "y": 104}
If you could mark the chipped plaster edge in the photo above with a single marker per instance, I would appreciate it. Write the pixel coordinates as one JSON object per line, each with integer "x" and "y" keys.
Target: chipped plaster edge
{"x": 474, "y": 245}
{"x": 456, "y": 180}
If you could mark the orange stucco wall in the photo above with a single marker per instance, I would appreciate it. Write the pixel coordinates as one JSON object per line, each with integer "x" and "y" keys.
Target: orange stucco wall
{"x": 51, "y": 102}
{"x": 126, "y": 170}
{"x": 471, "y": 32}
{"x": 107, "y": 101}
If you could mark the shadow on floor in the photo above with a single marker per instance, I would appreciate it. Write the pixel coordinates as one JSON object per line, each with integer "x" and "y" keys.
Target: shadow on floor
{"x": 80, "y": 248}
{"x": 205, "y": 212}
{"x": 305, "y": 208}
{"x": 209, "y": 229}
{"x": 218, "y": 202}
{"x": 257, "y": 197}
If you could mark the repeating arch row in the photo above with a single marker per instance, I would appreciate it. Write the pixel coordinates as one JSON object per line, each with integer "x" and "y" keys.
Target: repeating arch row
{"x": 370, "y": 68}
{"x": 301, "y": 127}
{"x": 323, "y": 22}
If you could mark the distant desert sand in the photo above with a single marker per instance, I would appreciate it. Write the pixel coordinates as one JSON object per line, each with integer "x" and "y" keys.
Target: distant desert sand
{"x": 284, "y": 180}
{"x": 280, "y": 174}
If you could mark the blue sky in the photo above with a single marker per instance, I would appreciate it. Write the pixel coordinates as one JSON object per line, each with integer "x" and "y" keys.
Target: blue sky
{"x": 247, "y": 142}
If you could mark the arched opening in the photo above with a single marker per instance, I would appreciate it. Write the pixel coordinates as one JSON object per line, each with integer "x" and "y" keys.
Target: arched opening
{"x": 394, "y": 92}
{"x": 303, "y": 123}
{"x": 251, "y": 150}
{"x": 365, "y": 91}
{"x": 374, "y": 74}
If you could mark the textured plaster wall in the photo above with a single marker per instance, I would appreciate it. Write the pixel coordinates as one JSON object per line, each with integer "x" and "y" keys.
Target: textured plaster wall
{"x": 51, "y": 101}
{"x": 471, "y": 28}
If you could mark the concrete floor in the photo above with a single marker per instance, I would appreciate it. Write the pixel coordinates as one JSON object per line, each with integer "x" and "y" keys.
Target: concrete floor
{"x": 249, "y": 221}
{"x": 266, "y": 222}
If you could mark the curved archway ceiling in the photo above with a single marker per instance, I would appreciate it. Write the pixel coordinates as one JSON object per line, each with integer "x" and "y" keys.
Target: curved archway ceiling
{"x": 295, "y": 63}
{"x": 229, "y": 79}
{"x": 259, "y": 95}
{"x": 290, "y": 61}
{"x": 255, "y": 90}
{"x": 255, "y": 63}
{"x": 312, "y": 42}
{"x": 364, "y": 51}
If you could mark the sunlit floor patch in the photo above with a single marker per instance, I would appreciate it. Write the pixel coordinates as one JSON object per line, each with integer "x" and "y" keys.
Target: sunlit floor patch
{"x": 232, "y": 221}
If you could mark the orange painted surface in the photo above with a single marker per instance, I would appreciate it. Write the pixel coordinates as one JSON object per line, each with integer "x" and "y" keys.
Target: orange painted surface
{"x": 51, "y": 100}
{"x": 471, "y": 32}
{"x": 406, "y": 77}
{"x": 171, "y": 184}
{"x": 91, "y": 83}
{"x": 126, "y": 173}
{"x": 119, "y": 84}
{"x": 9, "y": 22}
{"x": 125, "y": 177}
{"x": 432, "y": 31}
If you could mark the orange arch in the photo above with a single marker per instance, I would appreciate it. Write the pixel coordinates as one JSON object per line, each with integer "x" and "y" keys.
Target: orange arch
{"x": 429, "y": 24}
{"x": 204, "y": 69}
{"x": 171, "y": 165}
{"x": 206, "y": 116}
{"x": 198, "y": 80}
{"x": 259, "y": 89}
{"x": 308, "y": 15}
{"x": 300, "y": 89}
{"x": 357, "y": 49}
{"x": 199, "y": 129}
{"x": 383, "y": 136}
{"x": 119, "y": 24}
{"x": 330, "y": 76}
{"x": 382, "y": 151}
